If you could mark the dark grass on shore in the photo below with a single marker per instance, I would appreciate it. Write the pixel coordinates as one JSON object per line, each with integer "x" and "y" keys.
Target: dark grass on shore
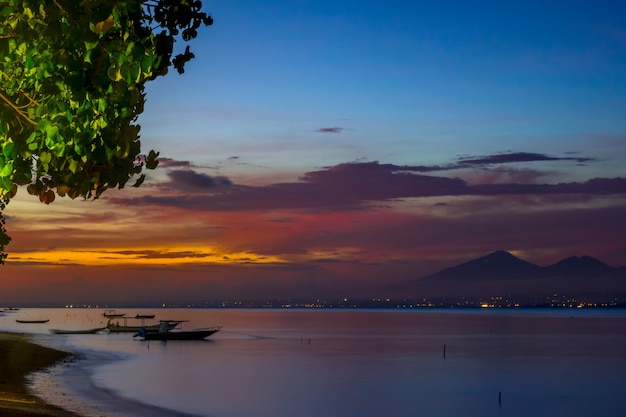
{"x": 18, "y": 358}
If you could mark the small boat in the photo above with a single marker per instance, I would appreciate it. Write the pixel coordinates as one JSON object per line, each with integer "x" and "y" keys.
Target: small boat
{"x": 32, "y": 321}
{"x": 164, "y": 334}
{"x": 83, "y": 331}
{"x": 134, "y": 326}
{"x": 112, "y": 313}
{"x": 181, "y": 335}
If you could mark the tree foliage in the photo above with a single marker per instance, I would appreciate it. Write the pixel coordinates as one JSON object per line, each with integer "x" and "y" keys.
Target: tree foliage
{"x": 72, "y": 78}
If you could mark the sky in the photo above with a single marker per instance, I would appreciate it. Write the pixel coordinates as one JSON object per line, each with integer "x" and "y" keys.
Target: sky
{"x": 330, "y": 148}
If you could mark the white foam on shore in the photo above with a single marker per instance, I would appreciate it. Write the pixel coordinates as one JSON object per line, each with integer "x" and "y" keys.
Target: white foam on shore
{"x": 70, "y": 385}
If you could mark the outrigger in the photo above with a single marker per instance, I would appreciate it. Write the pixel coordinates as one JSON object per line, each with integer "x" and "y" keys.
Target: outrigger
{"x": 134, "y": 326}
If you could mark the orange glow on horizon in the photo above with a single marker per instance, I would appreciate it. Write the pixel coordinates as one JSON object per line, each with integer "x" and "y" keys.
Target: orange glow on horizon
{"x": 148, "y": 256}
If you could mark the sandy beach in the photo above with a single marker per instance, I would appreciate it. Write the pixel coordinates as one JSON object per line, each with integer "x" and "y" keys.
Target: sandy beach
{"x": 18, "y": 358}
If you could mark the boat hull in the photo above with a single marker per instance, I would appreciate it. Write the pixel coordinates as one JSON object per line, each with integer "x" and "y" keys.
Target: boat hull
{"x": 182, "y": 335}
{"x": 116, "y": 328}
{"x": 32, "y": 321}
{"x": 84, "y": 331}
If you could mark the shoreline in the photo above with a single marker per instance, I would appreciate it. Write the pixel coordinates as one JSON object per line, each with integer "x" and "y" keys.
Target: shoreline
{"x": 20, "y": 357}
{"x": 69, "y": 386}
{"x": 41, "y": 381}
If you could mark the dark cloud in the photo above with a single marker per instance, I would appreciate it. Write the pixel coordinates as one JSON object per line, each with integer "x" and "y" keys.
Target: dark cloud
{"x": 172, "y": 163}
{"x": 507, "y": 174}
{"x": 330, "y": 130}
{"x": 152, "y": 254}
{"x": 353, "y": 186}
{"x": 345, "y": 186}
{"x": 596, "y": 186}
{"x": 508, "y": 158}
{"x": 190, "y": 179}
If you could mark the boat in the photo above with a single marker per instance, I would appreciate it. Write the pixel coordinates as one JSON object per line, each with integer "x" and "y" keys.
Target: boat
{"x": 32, "y": 321}
{"x": 164, "y": 335}
{"x": 112, "y": 313}
{"x": 144, "y": 316}
{"x": 83, "y": 331}
{"x": 134, "y": 326}
{"x": 181, "y": 335}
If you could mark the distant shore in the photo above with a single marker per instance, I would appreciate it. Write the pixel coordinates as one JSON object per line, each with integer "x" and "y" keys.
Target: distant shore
{"x": 18, "y": 358}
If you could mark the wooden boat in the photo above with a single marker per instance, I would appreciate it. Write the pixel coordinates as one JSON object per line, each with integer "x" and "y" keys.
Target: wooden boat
{"x": 83, "y": 331}
{"x": 32, "y": 321}
{"x": 181, "y": 335}
{"x": 164, "y": 334}
{"x": 112, "y": 313}
{"x": 134, "y": 326}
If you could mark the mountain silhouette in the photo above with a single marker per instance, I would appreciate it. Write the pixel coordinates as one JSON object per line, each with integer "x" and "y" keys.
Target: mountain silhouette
{"x": 500, "y": 264}
{"x": 581, "y": 266}
{"x": 502, "y": 273}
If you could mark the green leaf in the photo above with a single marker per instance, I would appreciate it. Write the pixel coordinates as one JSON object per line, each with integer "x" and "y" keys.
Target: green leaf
{"x": 6, "y": 170}
{"x": 146, "y": 65}
{"x": 102, "y": 105}
{"x": 45, "y": 157}
{"x": 114, "y": 73}
{"x": 7, "y": 149}
{"x": 90, "y": 45}
{"x": 51, "y": 132}
{"x": 73, "y": 166}
{"x": 5, "y": 185}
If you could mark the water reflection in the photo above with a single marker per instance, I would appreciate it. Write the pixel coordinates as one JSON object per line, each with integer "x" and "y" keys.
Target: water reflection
{"x": 369, "y": 363}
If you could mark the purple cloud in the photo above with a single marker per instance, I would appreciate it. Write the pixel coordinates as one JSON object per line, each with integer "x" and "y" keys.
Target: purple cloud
{"x": 172, "y": 163}
{"x": 507, "y": 158}
{"x": 189, "y": 179}
{"x": 330, "y": 130}
{"x": 352, "y": 186}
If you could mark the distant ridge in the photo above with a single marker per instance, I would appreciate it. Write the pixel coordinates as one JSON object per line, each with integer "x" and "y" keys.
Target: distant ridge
{"x": 501, "y": 272}
{"x": 582, "y": 266}
{"x": 500, "y": 263}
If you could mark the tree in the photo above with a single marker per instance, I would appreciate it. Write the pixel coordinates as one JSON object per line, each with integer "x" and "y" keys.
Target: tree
{"x": 72, "y": 77}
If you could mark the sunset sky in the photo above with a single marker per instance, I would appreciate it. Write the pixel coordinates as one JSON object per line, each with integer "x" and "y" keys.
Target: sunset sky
{"x": 325, "y": 148}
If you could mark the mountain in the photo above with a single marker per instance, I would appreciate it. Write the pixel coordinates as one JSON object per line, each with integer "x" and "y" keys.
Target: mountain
{"x": 582, "y": 266}
{"x": 500, "y": 263}
{"x": 501, "y": 273}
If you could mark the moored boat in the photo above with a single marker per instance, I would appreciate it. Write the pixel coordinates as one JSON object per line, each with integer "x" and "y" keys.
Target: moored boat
{"x": 112, "y": 313}
{"x": 134, "y": 326}
{"x": 165, "y": 333}
{"x": 80, "y": 331}
{"x": 181, "y": 335}
{"x": 32, "y": 321}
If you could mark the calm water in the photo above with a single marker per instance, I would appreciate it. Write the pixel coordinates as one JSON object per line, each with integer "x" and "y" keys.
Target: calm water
{"x": 343, "y": 363}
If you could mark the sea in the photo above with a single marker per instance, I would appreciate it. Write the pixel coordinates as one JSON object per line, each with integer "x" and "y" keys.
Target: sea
{"x": 339, "y": 362}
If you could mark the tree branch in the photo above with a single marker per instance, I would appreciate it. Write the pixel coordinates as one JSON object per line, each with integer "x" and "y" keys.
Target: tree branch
{"x": 16, "y": 109}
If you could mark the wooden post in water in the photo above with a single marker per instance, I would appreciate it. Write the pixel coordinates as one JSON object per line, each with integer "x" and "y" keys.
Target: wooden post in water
{"x": 500, "y": 398}
{"x": 444, "y": 350}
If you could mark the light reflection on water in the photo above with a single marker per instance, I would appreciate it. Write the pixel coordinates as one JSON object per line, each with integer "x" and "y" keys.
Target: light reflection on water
{"x": 362, "y": 363}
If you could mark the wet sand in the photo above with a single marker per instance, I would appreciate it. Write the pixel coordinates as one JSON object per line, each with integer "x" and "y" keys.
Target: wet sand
{"x": 70, "y": 387}
{"x": 18, "y": 358}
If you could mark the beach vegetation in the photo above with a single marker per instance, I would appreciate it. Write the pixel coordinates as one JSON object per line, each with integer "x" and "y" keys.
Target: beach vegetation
{"x": 72, "y": 86}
